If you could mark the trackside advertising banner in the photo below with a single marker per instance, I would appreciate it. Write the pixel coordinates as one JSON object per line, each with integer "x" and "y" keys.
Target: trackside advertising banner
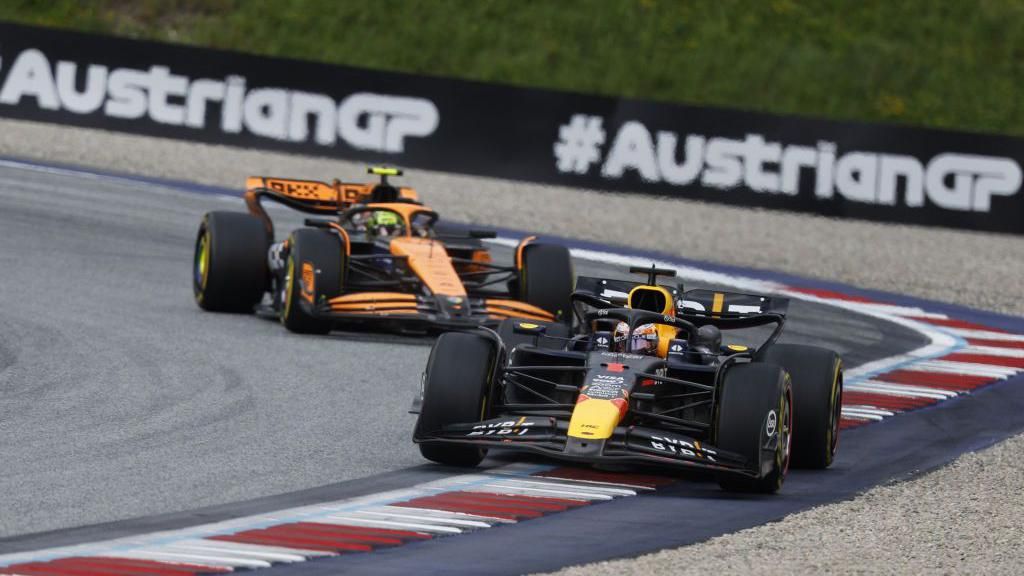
{"x": 844, "y": 169}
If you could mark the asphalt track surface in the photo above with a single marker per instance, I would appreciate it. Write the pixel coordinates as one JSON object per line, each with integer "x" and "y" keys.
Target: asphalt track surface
{"x": 121, "y": 399}
{"x": 958, "y": 519}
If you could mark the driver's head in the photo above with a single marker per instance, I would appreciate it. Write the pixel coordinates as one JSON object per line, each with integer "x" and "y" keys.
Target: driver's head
{"x": 382, "y": 223}
{"x": 619, "y": 337}
{"x": 644, "y": 340}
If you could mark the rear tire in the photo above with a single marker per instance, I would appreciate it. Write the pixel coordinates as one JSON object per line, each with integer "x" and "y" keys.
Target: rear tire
{"x": 751, "y": 394}
{"x": 817, "y": 375}
{"x": 546, "y": 279}
{"x": 317, "y": 257}
{"x": 229, "y": 270}
{"x": 455, "y": 390}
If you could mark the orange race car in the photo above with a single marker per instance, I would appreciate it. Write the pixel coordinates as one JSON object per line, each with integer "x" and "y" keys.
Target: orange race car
{"x": 373, "y": 255}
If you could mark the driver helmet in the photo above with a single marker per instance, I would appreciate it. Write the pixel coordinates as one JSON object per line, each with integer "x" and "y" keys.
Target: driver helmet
{"x": 420, "y": 231}
{"x": 383, "y": 223}
{"x": 644, "y": 340}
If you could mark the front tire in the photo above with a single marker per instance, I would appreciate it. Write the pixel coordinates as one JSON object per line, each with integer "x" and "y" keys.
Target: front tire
{"x": 313, "y": 272}
{"x": 229, "y": 271}
{"x": 817, "y": 375}
{"x": 455, "y": 390}
{"x": 755, "y": 411}
{"x": 546, "y": 279}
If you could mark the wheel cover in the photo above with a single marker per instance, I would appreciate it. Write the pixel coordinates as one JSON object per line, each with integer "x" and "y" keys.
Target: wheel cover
{"x": 835, "y": 414}
{"x": 786, "y": 431}
{"x": 289, "y": 275}
{"x": 202, "y": 260}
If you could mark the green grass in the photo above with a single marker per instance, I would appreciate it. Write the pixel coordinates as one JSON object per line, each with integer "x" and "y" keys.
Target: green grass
{"x": 947, "y": 63}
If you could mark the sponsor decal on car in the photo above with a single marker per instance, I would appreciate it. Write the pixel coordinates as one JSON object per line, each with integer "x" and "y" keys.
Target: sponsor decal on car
{"x": 308, "y": 284}
{"x": 605, "y": 387}
{"x": 621, "y": 355}
{"x": 680, "y": 447}
{"x": 504, "y": 428}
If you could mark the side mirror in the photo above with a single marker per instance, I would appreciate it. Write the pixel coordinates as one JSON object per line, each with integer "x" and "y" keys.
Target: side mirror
{"x": 528, "y": 328}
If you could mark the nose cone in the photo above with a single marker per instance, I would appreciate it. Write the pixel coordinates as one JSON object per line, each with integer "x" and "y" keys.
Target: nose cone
{"x": 596, "y": 419}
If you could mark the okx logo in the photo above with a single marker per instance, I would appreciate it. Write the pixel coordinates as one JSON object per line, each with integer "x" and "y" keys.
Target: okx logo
{"x": 963, "y": 182}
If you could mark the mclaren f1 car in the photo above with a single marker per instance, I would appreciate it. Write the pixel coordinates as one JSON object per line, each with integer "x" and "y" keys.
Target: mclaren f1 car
{"x": 644, "y": 378}
{"x": 373, "y": 254}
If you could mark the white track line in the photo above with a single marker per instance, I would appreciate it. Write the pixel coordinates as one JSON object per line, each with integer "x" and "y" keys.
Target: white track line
{"x": 985, "y": 335}
{"x": 965, "y": 368}
{"x": 411, "y": 515}
{"x": 995, "y": 351}
{"x": 904, "y": 390}
{"x": 200, "y": 547}
{"x": 559, "y": 485}
{"x": 189, "y": 558}
{"x": 436, "y": 514}
{"x": 355, "y": 520}
{"x": 867, "y": 412}
{"x": 258, "y": 551}
{"x": 499, "y": 488}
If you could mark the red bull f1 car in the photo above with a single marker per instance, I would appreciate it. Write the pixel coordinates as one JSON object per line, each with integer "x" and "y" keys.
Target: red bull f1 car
{"x": 644, "y": 378}
{"x": 374, "y": 254}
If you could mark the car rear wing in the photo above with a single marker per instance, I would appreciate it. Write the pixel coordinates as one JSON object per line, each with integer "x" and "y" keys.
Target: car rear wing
{"x": 696, "y": 301}
{"x": 726, "y": 310}
{"x": 729, "y": 304}
{"x": 615, "y": 292}
{"x": 315, "y": 197}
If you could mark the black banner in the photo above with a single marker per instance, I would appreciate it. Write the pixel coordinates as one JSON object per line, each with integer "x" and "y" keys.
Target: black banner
{"x": 846, "y": 169}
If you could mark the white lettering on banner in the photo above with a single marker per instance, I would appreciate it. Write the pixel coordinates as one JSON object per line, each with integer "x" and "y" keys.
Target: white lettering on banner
{"x": 367, "y": 121}
{"x": 87, "y": 101}
{"x": 31, "y": 75}
{"x": 952, "y": 181}
{"x": 379, "y": 122}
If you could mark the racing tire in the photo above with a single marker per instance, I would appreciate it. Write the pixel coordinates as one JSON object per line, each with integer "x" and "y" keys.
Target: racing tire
{"x": 455, "y": 389}
{"x": 229, "y": 269}
{"x": 750, "y": 395}
{"x": 817, "y": 375}
{"x": 315, "y": 256}
{"x": 546, "y": 279}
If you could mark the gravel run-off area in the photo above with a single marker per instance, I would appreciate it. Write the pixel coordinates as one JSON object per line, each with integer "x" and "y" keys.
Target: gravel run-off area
{"x": 965, "y": 517}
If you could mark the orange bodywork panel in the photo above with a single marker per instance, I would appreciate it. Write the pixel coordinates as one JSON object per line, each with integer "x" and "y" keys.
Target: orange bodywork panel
{"x": 310, "y": 195}
{"x": 519, "y": 250}
{"x": 377, "y": 302}
{"x": 372, "y": 297}
{"x": 502, "y": 314}
{"x": 344, "y": 236}
{"x": 515, "y": 308}
{"x": 429, "y": 260}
